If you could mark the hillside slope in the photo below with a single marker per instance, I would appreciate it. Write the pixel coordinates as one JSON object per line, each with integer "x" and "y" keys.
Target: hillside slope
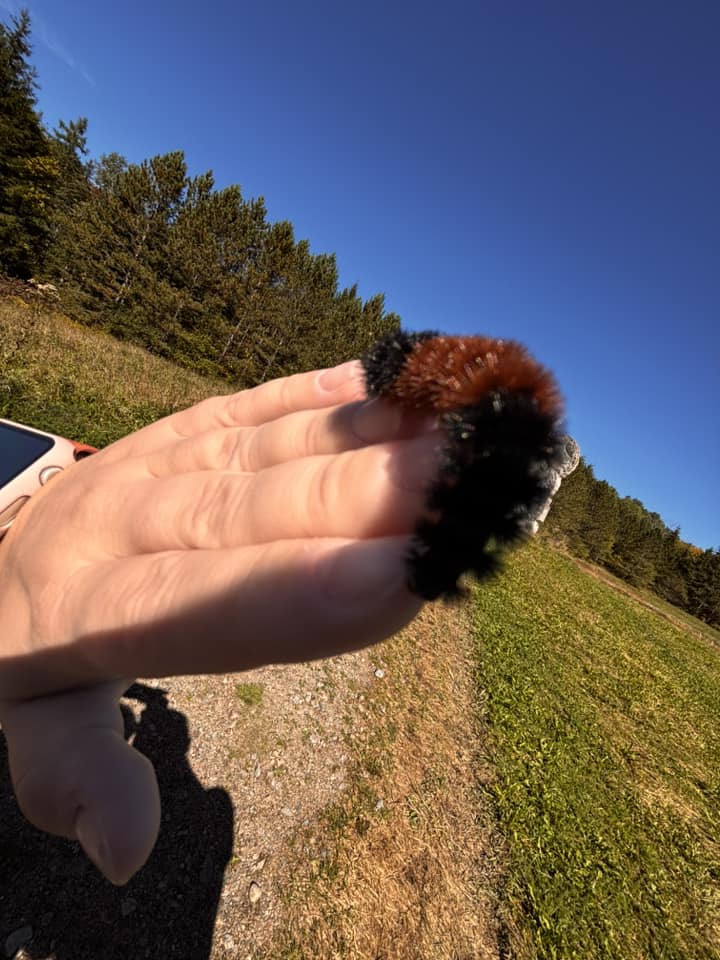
{"x": 533, "y": 774}
{"x": 605, "y": 739}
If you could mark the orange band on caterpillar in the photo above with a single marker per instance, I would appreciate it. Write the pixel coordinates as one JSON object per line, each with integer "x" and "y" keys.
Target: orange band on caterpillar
{"x": 501, "y": 411}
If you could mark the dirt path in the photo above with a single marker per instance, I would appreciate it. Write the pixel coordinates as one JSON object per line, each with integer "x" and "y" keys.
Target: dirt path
{"x": 414, "y": 861}
{"x": 325, "y": 810}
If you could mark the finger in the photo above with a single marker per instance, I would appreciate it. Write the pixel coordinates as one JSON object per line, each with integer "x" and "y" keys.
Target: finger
{"x": 248, "y": 408}
{"x": 229, "y": 610}
{"x": 75, "y": 776}
{"x": 371, "y": 492}
{"x": 298, "y": 435}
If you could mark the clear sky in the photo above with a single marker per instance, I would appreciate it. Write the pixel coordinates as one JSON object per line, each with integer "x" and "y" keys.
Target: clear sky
{"x": 548, "y": 172}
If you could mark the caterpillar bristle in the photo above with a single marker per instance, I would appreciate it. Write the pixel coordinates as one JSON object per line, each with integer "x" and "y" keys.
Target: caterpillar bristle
{"x": 385, "y": 359}
{"x": 501, "y": 413}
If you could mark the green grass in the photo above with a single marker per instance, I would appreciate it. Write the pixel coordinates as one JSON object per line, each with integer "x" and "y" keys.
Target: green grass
{"x": 605, "y": 735}
{"x": 59, "y": 376}
{"x": 604, "y": 718}
{"x": 675, "y": 614}
{"x": 250, "y": 694}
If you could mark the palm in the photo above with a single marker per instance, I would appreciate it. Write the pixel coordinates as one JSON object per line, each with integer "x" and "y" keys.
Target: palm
{"x": 265, "y": 527}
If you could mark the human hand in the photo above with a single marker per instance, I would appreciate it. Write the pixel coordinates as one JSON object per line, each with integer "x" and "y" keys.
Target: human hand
{"x": 268, "y": 526}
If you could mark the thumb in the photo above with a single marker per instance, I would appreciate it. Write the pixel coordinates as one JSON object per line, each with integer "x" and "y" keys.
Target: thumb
{"x": 118, "y": 813}
{"x": 75, "y": 776}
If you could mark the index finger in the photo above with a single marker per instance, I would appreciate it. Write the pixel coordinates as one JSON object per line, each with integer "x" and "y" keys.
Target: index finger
{"x": 248, "y": 408}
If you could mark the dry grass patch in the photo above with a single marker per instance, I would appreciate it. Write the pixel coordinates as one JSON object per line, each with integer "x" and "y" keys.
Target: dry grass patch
{"x": 84, "y": 384}
{"x": 407, "y": 863}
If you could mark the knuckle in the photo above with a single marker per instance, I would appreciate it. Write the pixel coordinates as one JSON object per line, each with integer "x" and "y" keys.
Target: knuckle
{"x": 312, "y": 437}
{"x": 235, "y": 449}
{"x": 233, "y": 411}
{"x": 285, "y": 395}
{"x": 323, "y": 491}
{"x": 206, "y": 515}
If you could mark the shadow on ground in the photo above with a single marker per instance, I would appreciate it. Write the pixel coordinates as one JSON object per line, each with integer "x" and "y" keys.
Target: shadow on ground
{"x": 57, "y": 905}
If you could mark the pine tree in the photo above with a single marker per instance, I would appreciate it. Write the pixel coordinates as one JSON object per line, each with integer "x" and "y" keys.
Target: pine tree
{"x": 28, "y": 170}
{"x": 599, "y": 528}
{"x": 638, "y": 543}
{"x": 68, "y": 144}
{"x": 111, "y": 245}
{"x": 671, "y": 575}
{"x": 570, "y": 506}
{"x": 199, "y": 276}
{"x": 704, "y": 585}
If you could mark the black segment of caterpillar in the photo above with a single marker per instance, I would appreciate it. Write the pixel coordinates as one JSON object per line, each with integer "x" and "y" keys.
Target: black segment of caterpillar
{"x": 501, "y": 412}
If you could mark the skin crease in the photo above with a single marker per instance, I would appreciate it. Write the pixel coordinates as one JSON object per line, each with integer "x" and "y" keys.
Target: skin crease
{"x": 282, "y": 513}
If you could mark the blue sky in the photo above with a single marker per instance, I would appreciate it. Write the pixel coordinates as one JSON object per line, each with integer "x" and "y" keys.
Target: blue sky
{"x": 542, "y": 171}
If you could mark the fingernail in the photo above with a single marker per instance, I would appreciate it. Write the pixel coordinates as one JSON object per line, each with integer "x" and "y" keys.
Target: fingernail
{"x": 374, "y": 421}
{"x": 366, "y": 570}
{"x": 93, "y": 841}
{"x": 336, "y": 376}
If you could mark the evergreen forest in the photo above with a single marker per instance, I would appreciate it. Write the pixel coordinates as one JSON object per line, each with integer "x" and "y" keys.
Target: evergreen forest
{"x": 154, "y": 255}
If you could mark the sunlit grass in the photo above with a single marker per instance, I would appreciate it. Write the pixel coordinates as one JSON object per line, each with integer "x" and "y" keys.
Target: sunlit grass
{"x": 604, "y": 717}
{"x": 59, "y": 376}
{"x": 250, "y": 694}
{"x": 605, "y": 736}
{"x": 676, "y": 615}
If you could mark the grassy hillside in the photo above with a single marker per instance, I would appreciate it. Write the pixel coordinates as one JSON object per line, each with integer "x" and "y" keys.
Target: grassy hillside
{"x": 603, "y": 717}
{"x": 59, "y": 376}
{"x": 605, "y": 737}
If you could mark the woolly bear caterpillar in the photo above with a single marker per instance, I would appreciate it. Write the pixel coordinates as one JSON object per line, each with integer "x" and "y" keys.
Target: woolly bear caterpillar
{"x": 501, "y": 413}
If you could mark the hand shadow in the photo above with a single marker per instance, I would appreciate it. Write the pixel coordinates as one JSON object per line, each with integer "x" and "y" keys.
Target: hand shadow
{"x": 167, "y": 910}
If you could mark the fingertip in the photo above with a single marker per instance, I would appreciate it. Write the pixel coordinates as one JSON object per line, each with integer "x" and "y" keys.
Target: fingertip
{"x": 345, "y": 374}
{"x": 365, "y": 569}
{"x": 368, "y": 583}
{"x": 130, "y": 819}
{"x": 118, "y": 821}
{"x": 91, "y": 837}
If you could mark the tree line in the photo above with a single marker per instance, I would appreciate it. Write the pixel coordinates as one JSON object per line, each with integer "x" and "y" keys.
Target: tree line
{"x": 620, "y": 534}
{"x": 154, "y": 255}
{"x": 198, "y": 275}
